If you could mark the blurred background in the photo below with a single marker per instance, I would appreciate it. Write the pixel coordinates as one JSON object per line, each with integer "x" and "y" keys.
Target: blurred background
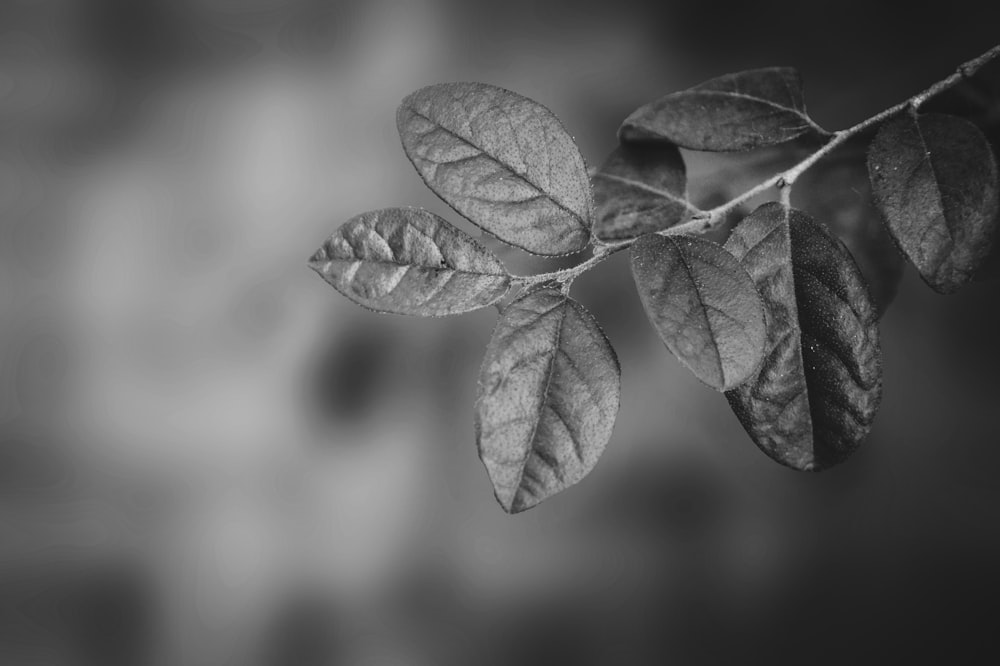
{"x": 207, "y": 456}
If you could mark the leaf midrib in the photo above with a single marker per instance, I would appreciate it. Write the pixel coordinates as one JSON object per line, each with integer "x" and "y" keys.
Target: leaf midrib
{"x": 382, "y": 262}
{"x": 745, "y": 96}
{"x": 928, "y": 157}
{"x": 703, "y": 309}
{"x": 543, "y": 399}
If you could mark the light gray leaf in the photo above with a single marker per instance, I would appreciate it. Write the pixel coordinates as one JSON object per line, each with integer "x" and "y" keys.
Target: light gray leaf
{"x": 410, "y": 261}
{"x": 703, "y": 305}
{"x": 742, "y": 111}
{"x": 548, "y": 397}
{"x": 817, "y": 392}
{"x": 640, "y": 190}
{"x": 934, "y": 177}
{"x": 501, "y": 160}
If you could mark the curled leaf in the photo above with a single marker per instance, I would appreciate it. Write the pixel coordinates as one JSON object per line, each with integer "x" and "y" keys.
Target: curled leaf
{"x": 410, "y": 261}
{"x": 817, "y": 392}
{"x": 934, "y": 177}
{"x": 501, "y": 160}
{"x": 703, "y": 305}
{"x": 742, "y": 111}
{"x": 640, "y": 190}
{"x": 548, "y": 397}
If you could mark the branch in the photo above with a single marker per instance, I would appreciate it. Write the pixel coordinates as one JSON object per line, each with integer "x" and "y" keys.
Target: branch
{"x": 706, "y": 220}
{"x": 601, "y": 252}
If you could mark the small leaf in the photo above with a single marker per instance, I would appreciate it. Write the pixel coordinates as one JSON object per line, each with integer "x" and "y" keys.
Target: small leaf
{"x": 640, "y": 190}
{"x": 548, "y": 397}
{"x": 501, "y": 160}
{"x": 934, "y": 178}
{"x": 742, "y": 111}
{"x": 410, "y": 261}
{"x": 815, "y": 396}
{"x": 837, "y": 190}
{"x": 703, "y": 305}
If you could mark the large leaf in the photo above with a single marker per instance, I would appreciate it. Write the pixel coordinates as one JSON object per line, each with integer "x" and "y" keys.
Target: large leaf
{"x": 703, "y": 305}
{"x": 501, "y": 160}
{"x": 410, "y": 261}
{"x": 548, "y": 397}
{"x": 934, "y": 178}
{"x": 837, "y": 190}
{"x": 640, "y": 190}
{"x": 742, "y": 111}
{"x": 815, "y": 396}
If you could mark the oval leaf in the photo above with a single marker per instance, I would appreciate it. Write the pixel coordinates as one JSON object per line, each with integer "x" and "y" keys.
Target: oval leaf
{"x": 501, "y": 160}
{"x": 815, "y": 396}
{"x": 548, "y": 397}
{"x": 934, "y": 178}
{"x": 640, "y": 190}
{"x": 742, "y": 111}
{"x": 703, "y": 305}
{"x": 410, "y": 261}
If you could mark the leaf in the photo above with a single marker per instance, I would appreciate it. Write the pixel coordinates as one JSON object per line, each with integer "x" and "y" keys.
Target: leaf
{"x": 640, "y": 190}
{"x": 742, "y": 111}
{"x": 837, "y": 190}
{"x": 548, "y": 397}
{"x": 501, "y": 160}
{"x": 934, "y": 178}
{"x": 815, "y": 396}
{"x": 703, "y": 305}
{"x": 410, "y": 261}
{"x": 977, "y": 99}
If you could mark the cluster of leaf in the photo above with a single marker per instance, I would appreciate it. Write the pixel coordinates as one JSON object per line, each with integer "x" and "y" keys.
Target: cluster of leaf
{"x": 779, "y": 317}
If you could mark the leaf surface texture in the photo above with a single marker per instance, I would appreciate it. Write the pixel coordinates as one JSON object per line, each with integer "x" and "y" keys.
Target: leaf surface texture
{"x": 503, "y": 161}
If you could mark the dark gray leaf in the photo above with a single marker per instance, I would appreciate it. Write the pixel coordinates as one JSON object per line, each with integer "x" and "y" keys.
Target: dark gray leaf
{"x": 410, "y": 261}
{"x": 742, "y": 111}
{"x": 640, "y": 190}
{"x": 837, "y": 190}
{"x": 501, "y": 160}
{"x": 934, "y": 178}
{"x": 548, "y": 397}
{"x": 977, "y": 98}
{"x": 703, "y": 305}
{"x": 815, "y": 396}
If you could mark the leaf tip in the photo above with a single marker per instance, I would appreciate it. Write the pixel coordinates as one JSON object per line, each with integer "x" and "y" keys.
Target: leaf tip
{"x": 318, "y": 258}
{"x": 516, "y": 504}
